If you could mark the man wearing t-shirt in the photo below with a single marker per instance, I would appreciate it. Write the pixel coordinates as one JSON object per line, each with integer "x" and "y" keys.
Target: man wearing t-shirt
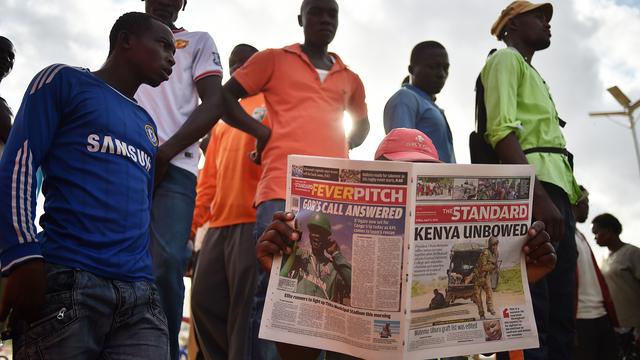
{"x": 181, "y": 123}
{"x": 414, "y": 105}
{"x": 524, "y": 128}
{"x": 224, "y": 278}
{"x": 306, "y": 89}
{"x": 83, "y": 287}
{"x": 595, "y": 313}
{"x": 621, "y": 270}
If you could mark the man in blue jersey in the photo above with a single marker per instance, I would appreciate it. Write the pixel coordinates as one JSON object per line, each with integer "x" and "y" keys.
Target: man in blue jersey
{"x": 83, "y": 287}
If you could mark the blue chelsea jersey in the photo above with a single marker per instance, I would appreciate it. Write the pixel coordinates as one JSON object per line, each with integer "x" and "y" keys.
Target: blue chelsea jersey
{"x": 96, "y": 148}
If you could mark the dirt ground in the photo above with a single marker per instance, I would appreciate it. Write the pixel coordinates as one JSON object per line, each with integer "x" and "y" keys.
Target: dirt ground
{"x": 460, "y": 309}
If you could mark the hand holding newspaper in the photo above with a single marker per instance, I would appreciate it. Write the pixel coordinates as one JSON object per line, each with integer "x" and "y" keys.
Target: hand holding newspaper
{"x": 401, "y": 260}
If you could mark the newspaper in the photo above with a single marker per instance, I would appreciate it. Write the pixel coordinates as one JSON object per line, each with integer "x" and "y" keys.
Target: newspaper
{"x": 403, "y": 260}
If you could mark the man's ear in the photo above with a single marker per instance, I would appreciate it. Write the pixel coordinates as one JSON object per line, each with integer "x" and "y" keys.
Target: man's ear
{"x": 410, "y": 68}
{"x": 125, "y": 40}
{"x": 511, "y": 26}
{"x": 300, "y": 20}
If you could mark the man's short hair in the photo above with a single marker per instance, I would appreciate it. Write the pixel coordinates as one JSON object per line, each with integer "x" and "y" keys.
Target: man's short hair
{"x": 419, "y": 49}
{"x": 244, "y": 46}
{"x": 5, "y": 40}
{"x": 609, "y": 222}
{"x": 135, "y": 23}
{"x": 184, "y": 4}
{"x": 305, "y": 3}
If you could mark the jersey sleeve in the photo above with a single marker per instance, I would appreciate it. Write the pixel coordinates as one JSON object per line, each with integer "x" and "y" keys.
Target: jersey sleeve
{"x": 255, "y": 74}
{"x": 400, "y": 111}
{"x": 357, "y": 106}
{"x": 30, "y": 139}
{"x": 500, "y": 78}
{"x": 206, "y": 59}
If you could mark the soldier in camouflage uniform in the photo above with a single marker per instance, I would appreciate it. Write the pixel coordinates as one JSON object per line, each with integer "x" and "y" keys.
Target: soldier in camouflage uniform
{"x": 328, "y": 277}
{"x": 487, "y": 263}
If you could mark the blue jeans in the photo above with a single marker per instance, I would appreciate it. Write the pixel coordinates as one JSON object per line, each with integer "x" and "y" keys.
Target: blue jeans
{"x": 171, "y": 215}
{"x": 90, "y": 317}
{"x": 262, "y": 349}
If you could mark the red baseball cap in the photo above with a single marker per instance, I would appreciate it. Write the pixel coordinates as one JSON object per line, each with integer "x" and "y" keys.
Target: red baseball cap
{"x": 410, "y": 145}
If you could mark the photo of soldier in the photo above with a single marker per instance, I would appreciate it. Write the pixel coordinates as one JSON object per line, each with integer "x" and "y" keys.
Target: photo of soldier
{"x": 481, "y": 277}
{"x": 465, "y": 189}
{"x": 437, "y": 301}
{"x": 437, "y": 188}
{"x": 322, "y": 271}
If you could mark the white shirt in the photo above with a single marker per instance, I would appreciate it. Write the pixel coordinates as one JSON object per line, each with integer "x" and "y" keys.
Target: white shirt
{"x": 621, "y": 270}
{"x": 322, "y": 74}
{"x": 590, "y": 300}
{"x": 171, "y": 103}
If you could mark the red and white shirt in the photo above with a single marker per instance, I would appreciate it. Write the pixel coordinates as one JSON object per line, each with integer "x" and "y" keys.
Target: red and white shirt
{"x": 171, "y": 103}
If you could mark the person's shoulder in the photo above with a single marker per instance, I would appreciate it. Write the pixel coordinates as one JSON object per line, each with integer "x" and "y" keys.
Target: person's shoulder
{"x": 56, "y": 72}
{"x": 403, "y": 95}
{"x": 191, "y": 34}
{"x": 274, "y": 52}
{"x": 632, "y": 249}
{"x": 505, "y": 56}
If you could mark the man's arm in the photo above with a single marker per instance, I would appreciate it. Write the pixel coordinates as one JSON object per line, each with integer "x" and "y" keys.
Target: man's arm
{"x": 31, "y": 137}
{"x": 236, "y": 117}
{"x": 342, "y": 266}
{"x": 197, "y": 125}
{"x": 510, "y": 152}
{"x": 357, "y": 108}
{"x": 358, "y": 133}
{"x": 400, "y": 112}
{"x": 500, "y": 78}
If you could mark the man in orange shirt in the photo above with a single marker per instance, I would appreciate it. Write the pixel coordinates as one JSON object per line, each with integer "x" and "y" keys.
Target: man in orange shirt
{"x": 307, "y": 90}
{"x": 224, "y": 280}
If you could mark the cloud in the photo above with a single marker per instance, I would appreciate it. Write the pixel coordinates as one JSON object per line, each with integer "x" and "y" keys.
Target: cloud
{"x": 594, "y": 46}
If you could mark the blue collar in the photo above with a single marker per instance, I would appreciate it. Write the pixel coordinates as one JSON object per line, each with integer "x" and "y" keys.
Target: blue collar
{"x": 422, "y": 93}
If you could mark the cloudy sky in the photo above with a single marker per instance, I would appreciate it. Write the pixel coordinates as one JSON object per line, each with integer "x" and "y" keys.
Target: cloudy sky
{"x": 595, "y": 45}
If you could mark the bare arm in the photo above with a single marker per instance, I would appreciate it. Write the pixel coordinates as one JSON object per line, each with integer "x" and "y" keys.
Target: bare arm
{"x": 358, "y": 133}
{"x": 197, "y": 125}
{"x": 238, "y": 118}
{"x": 510, "y": 152}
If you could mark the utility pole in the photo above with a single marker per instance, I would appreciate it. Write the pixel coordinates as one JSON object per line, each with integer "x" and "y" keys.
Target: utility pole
{"x": 628, "y": 111}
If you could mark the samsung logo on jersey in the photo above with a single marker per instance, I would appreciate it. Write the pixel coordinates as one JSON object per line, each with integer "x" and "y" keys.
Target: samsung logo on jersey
{"x": 114, "y": 146}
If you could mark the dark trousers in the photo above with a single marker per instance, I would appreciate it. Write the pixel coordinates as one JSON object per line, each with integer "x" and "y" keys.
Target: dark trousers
{"x": 554, "y": 296}
{"x": 596, "y": 339}
{"x": 222, "y": 291}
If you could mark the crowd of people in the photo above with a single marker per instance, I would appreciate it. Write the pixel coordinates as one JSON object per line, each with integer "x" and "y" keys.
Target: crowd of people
{"x": 117, "y": 151}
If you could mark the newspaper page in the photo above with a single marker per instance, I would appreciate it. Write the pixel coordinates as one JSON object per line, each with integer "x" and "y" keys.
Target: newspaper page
{"x": 342, "y": 288}
{"x": 469, "y": 292}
